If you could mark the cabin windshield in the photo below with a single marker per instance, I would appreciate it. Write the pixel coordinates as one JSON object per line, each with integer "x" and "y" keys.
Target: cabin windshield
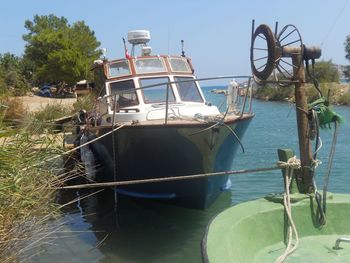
{"x": 188, "y": 90}
{"x": 124, "y": 93}
{"x": 179, "y": 65}
{"x": 149, "y": 65}
{"x": 118, "y": 68}
{"x": 156, "y": 94}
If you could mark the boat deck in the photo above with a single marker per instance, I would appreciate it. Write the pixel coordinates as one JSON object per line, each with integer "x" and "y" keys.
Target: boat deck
{"x": 310, "y": 249}
{"x": 256, "y": 231}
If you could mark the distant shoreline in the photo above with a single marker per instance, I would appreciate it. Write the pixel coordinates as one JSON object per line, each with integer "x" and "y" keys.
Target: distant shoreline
{"x": 339, "y": 93}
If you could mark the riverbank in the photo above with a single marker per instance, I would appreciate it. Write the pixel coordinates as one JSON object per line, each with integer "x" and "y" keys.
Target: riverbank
{"x": 35, "y": 103}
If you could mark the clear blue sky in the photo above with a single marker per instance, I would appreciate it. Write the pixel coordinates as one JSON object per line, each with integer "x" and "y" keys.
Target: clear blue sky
{"x": 216, "y": 32}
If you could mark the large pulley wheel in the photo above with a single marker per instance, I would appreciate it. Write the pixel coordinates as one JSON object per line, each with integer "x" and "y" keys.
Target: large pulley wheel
{"x": 263, "y": 52}
{"x": 289, "y": 64}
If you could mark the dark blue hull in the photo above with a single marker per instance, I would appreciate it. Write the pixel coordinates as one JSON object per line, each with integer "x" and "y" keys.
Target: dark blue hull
{"x": 144, "y": 152}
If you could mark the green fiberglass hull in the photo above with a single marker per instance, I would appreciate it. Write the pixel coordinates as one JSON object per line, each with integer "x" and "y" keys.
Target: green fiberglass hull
{"x": 256, "y": 231}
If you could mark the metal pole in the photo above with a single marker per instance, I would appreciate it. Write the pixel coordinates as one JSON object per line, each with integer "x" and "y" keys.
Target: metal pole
{"x": 305, "y": 180}
{"x": 166, "y": 105}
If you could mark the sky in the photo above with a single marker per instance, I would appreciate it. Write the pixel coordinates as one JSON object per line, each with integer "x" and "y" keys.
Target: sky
{"x": 217, "y": 33}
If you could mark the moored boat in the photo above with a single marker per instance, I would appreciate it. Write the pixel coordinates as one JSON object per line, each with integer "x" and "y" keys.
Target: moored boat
{"x": 153, "y": 121}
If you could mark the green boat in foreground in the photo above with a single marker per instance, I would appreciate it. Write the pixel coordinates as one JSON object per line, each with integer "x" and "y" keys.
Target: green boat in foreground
{"x": 256, "y": 231}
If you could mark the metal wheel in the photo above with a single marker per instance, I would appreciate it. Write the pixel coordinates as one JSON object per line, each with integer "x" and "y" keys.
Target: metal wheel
{"x": 262, "y": 53}
{"x": 286, "y": 68}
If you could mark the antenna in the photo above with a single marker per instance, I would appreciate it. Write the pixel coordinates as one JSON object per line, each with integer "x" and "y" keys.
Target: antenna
{"x": 182, "y": 48}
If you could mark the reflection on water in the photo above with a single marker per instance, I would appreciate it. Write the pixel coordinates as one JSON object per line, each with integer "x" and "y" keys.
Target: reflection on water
{"x": 95, "y": 230}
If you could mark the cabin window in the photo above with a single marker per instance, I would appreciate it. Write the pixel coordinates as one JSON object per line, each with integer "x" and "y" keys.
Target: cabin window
{"x": 124, "y": 93}
{"x": 149, "y": 65}
{"x": 179, "y": 65}
{"x": 156, "y": 94}
{"x": 188, "y": 90}
{"x": 119, "y": 68}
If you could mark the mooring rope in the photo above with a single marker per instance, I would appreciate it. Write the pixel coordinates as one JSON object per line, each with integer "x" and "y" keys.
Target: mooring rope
{"x": 294, "y": 163}
{"x": 75, "y": 148}
{"x": 279, "y": 165}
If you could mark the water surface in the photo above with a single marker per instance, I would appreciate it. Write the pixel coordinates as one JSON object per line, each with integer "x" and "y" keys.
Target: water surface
{"x": 97, "y": 230}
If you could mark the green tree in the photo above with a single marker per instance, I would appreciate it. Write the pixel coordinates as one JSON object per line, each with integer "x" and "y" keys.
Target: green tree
{"x": 9, "y": 62}
{"x": 347, "y": 56}
{"x": 347, "y": 72}
{"x": 11, "y": 74}
{"x": 325, "y": 71}
{"x": 58, "y": 51}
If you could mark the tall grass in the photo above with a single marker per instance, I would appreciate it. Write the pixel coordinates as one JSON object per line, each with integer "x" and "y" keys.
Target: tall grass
{"x": 25, "y": 188}
{"x": 28, "y": 174}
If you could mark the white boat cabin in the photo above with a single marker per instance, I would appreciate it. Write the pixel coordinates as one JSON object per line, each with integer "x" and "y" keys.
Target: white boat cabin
{"x": 147, "y": 87}
{"x": 142, "y": 86}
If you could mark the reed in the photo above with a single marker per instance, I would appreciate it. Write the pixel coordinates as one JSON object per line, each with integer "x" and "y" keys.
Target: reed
{"x": 28, "y": 173}
{"x": 84, "y": 102}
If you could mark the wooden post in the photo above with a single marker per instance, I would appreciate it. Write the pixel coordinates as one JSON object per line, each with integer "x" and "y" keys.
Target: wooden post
{"x": 305, "y": 181}
{"x": 284, "y": 155}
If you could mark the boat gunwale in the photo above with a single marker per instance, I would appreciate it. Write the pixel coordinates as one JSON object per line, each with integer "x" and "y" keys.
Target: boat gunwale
{"x": 190, "y": 123}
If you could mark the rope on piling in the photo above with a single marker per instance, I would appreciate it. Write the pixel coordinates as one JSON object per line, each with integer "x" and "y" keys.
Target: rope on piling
{"x": 295, "y": 164}
{"x": 279, "y": 165}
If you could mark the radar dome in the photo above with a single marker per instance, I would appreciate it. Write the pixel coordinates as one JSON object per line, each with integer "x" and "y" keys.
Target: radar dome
{"x": 137, "y": 37}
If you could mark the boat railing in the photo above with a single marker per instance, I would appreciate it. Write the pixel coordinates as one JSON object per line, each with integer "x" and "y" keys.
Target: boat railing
{"x": 242, "y": 105}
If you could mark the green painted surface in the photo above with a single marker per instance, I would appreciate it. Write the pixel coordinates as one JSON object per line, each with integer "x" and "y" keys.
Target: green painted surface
{"x": 310, "y": 249}
{"x": 255, "y": 231}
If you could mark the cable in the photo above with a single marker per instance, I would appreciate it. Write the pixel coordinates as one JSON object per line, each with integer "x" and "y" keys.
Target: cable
{"x": 335, "y": 22}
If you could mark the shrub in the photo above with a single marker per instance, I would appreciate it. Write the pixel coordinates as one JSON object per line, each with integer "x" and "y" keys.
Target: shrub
{"x": 12, "y": 110}
{"x": 274, "y": 93}
{"x": 344, "y": 99}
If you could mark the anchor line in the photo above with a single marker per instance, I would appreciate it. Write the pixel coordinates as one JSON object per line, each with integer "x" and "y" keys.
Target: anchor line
{"x": 278, "y": 166}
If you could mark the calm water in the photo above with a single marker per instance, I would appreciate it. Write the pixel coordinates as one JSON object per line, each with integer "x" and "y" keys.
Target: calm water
{"x": 95, "y": 230}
